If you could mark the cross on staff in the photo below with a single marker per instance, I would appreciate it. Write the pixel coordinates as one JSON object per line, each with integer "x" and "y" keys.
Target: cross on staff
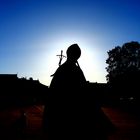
{"x": 61, "y": 56}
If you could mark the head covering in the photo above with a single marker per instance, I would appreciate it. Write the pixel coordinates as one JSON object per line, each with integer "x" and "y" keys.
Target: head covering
{"x": 73, "y": 52}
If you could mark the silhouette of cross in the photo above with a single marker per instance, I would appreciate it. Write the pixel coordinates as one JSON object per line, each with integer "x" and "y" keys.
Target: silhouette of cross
{"x": 61, "y": 57}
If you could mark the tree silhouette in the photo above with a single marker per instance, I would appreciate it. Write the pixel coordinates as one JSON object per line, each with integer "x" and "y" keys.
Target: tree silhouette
{"x": 124, "y": 66}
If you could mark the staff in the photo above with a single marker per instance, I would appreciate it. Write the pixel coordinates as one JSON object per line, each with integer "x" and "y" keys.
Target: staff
{"x": 61, "y": 57}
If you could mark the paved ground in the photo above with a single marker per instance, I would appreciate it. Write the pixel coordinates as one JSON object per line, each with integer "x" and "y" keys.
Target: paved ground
{"x": 16, "y": 126}
{"x": 128, "y": 126}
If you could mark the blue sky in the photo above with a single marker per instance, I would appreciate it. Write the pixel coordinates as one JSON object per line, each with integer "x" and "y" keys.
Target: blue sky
{"x": 33, "y": 32}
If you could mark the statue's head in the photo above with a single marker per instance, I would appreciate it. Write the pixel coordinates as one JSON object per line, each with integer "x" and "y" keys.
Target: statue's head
{"x": 73, "y": 52}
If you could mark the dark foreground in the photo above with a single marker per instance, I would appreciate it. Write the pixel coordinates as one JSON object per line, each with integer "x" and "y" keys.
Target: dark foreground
{"x": 14, "y": 126}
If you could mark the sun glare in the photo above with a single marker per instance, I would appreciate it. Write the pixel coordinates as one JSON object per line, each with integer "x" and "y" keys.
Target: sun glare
{"x": 89, "y": 60}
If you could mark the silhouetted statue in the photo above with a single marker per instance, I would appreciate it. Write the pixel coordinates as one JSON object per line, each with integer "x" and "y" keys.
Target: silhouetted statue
{"x": 71, "y": 111}
{"x": 62, "y": 112}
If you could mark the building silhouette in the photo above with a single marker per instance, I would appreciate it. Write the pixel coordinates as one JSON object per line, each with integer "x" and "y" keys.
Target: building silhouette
{"x": 20, "y": 91}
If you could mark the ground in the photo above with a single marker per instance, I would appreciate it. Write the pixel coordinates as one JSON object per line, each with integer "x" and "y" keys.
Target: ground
{"x": 128, "y": 125}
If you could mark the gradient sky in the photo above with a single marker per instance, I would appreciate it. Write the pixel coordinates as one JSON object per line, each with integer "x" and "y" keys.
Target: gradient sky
{"x": 33, "y": 32}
